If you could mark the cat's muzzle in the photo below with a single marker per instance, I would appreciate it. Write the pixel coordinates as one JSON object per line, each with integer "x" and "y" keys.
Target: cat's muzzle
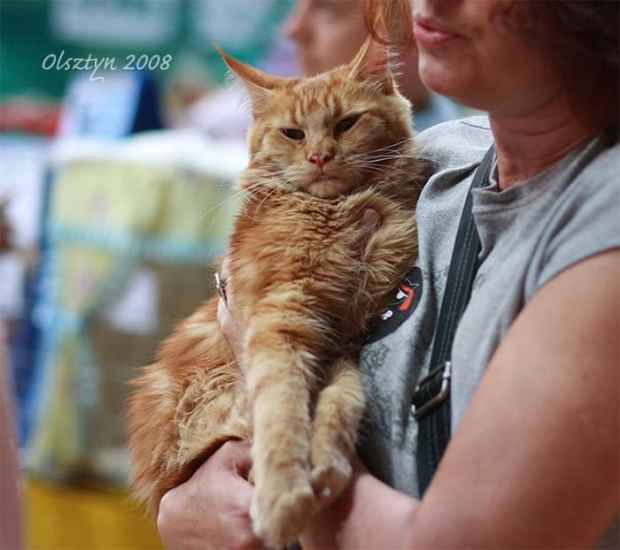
{"x": 220, "y": 285}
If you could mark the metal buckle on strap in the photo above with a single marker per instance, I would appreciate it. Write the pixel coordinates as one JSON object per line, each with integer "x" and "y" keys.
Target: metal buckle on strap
{"x": 433, "y": 401}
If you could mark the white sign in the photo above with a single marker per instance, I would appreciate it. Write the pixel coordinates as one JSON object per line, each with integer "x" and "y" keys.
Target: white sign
{"x": 118, "y": 23}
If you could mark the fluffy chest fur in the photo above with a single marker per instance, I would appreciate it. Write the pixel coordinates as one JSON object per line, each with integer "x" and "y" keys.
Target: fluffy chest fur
{"x": 295, "y": 244}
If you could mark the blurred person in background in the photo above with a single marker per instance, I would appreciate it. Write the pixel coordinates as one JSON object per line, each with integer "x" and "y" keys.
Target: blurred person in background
{"x": 10, "y": 512}
{"x": 328, "y": 33}
{"x": 6, "y": 233}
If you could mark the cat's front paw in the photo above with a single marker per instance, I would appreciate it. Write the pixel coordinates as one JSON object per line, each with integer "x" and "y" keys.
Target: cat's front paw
{"x": 279, "y": 511}
{"x": 331, "y": 472}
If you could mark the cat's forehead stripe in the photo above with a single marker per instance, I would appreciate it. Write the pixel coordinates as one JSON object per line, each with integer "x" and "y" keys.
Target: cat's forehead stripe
{"x": 315, "y": 99}
{"x": 322, "y": 101}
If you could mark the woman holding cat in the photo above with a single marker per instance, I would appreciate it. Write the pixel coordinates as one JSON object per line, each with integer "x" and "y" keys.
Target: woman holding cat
{"x": 533, "y": 459}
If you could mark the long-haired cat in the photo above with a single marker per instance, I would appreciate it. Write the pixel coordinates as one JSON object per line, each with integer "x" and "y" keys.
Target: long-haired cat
{"x": 307, "y": 287}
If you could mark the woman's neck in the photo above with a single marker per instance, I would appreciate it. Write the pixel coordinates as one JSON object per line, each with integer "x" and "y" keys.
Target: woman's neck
{"x": 527, "y": 144}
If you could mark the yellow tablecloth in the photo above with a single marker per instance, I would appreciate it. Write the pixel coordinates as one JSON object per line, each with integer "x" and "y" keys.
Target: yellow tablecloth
{"x": 61, "y": 518}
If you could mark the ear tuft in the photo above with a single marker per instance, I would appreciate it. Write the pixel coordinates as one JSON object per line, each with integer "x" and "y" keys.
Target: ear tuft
{"x": 260, "y": 85}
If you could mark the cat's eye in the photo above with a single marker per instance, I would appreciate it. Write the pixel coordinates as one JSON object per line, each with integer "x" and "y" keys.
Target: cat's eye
{"x": 345, "y": 124}
{"x": 292, "y": 133}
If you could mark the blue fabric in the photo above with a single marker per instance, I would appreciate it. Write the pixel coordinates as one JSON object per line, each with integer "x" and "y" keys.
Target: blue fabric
{"x": 438, "y": 109}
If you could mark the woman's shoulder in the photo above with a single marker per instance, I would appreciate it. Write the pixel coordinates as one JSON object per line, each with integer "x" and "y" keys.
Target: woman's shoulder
{"x": 582, "y": 220}
{"x": 606, "y": 166}
{"x": 596, "y": 180}
{"x": 457, "y": 143}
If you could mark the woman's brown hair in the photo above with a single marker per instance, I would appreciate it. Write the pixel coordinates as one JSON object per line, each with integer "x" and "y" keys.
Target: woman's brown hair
{"x": 581, "y": 37}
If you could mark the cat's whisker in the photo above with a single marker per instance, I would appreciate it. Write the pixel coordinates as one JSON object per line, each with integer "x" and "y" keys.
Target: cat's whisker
{"x": 395, "y": 148}
{"x": 383, "y": 160}
{"x": 222, "y": 205}
{"x": 388, "y": 172}
{"x": 229, "y": 202}
{"x": 271, "y": 184}
{"x": 398, "y": 155}
{"x": 392, "y": 146}
{"x": 271, "y": 192}
{"x": 387, "y": 167}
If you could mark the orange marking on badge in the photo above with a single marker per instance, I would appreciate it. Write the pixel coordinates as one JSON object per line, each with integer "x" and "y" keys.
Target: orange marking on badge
{"x": 407, "y": 302}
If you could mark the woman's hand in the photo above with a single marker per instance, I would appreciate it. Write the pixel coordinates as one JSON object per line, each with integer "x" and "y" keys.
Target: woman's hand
{"x": 369, "y": 222}
{"x": 369, "y": 514}
{"x": 211, "y": 509}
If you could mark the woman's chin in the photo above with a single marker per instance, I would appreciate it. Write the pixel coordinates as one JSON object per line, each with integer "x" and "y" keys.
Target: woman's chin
{"x": 440, "y": 76}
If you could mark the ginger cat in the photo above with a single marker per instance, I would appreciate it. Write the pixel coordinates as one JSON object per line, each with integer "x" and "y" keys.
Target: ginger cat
{"x": 307, "y": 288}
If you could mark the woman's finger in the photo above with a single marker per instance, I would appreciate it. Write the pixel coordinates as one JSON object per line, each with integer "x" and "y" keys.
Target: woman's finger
{"x": 229, "y": 327}
{"x": 369, "y": 222}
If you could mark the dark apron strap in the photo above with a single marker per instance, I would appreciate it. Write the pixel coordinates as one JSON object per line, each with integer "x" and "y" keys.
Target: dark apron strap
{"x": 431, "y": 403}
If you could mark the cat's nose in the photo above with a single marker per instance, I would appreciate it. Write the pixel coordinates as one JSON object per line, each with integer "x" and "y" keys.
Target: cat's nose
{"x": 321, "y": 159}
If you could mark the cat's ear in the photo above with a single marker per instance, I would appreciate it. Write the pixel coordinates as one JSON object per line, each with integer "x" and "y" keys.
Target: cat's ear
{"x": 260, "y": 85}
{"x": 374, "y": 62}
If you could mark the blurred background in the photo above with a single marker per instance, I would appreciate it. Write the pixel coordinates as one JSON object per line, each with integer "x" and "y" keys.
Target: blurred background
{"x": 119, "y": 141}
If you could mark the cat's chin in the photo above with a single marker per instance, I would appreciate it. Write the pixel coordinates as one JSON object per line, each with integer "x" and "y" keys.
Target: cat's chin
{"x": 329, "y": 188}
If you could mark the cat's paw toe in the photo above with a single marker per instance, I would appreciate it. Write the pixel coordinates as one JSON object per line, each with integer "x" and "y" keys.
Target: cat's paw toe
{"x": 329, "y": 479}
{"x": 278, "y": 518}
